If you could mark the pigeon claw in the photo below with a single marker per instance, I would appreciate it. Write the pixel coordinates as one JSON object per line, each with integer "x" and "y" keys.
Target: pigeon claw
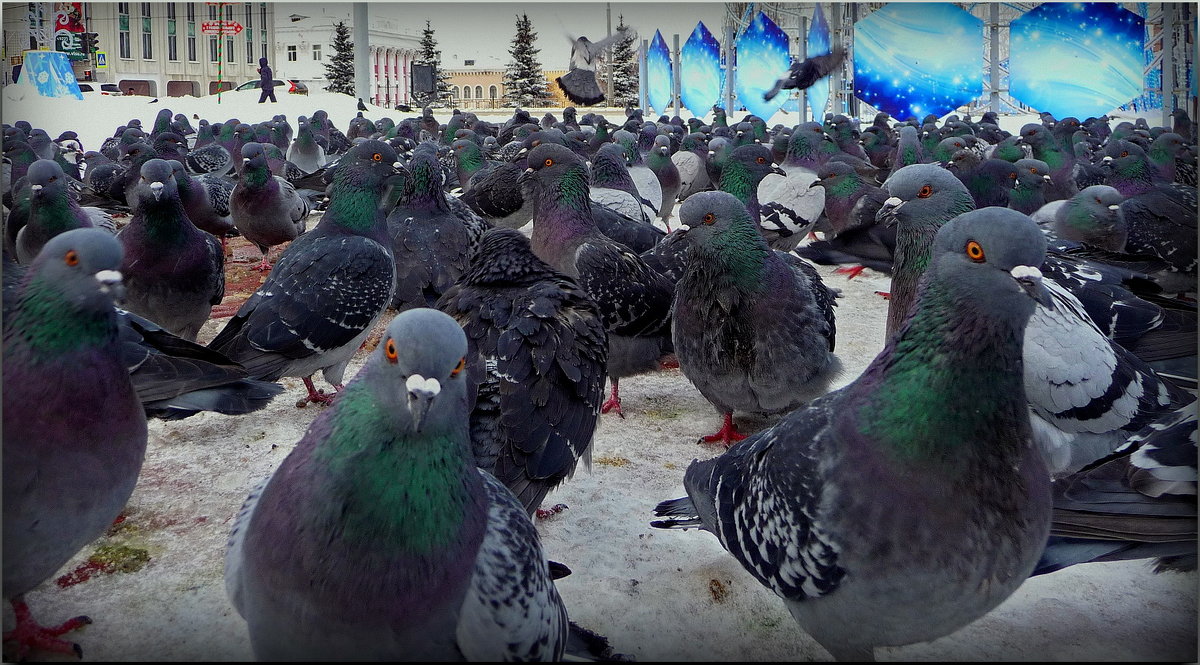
{"x": 613, "y": 402}
{"x": 551, "y": 511}
{"x": 886, "y": 295}
{"x": 316, "y": 396}
{"x": 29, "y": 636}
{"x": 851, "y": 272}
{"x": 262, "y": 266}
{"x": 728, "y": 434}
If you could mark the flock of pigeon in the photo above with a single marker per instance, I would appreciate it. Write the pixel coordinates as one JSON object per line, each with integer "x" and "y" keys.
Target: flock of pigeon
{"x": 1033, "y": 407}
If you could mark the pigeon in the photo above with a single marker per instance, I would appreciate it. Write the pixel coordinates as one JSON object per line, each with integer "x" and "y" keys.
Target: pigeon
{"x": 52, "y": 210}
{"x": 1028, "y": 194}
{"x": 802, "y": 74}
{"x": 643, "y": 178}
{"x": 361, "y": 105}
{"x": 206, "y": 200}
{"x": 1060, "y": 161}
{"x": 851, "y": 205}
{"x": 659, "y": 162}
{"x": 1138, "y": 503}
{"x": 1093, "y": 217}
{"x": 174, "y": 272}
{"x": 841, "y": 507}
{"x": 304, "y": 151}
{"x": 430, "y": 245}
{"x": 544, "y": 352}
{"x": 753, "y": 328}
{"x": 908, "y": 149}
{"x": 634, "y": 300}
{"x": 378, "y": 538}
{"x": 691, "y": 160}
{"x": 265, "y": 208}
{"x": 923, "y": 196}
{"x": 71, "y": 457}
{"x": 579, "y": 83}
{"x": 328, "y": 288}
{"x": 496, "y": 197}
{"x": 784, "y": 206}
{"x": 613, "y": 187}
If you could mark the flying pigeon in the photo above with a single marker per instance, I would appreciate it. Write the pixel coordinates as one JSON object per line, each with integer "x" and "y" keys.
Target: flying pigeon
{"x": 579, "y": 83}
{"x": 804, "y": 73}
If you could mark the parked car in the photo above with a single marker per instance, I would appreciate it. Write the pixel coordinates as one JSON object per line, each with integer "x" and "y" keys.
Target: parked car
{"x": 294, "y": 87}
{"x": 105, "y": 88}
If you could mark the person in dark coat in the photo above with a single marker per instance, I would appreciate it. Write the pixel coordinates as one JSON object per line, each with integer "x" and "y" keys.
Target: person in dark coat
{"x": 268, "y": 81}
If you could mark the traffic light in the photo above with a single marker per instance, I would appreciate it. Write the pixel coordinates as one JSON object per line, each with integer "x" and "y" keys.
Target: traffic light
{"x": 90, "y": 42}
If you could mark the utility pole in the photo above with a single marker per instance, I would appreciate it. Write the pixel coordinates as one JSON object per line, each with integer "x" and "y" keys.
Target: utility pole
{"x": 608, "y": 55}
{"x": 362, "y": 53}
{"x": 994, "y": 17}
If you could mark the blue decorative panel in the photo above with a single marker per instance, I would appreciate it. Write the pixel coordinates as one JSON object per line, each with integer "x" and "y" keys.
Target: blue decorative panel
{"x": 915, "y": 59}
{"x": 818, "y": 43}
{"x": 1076, "y": 59}
{"x": 700, "y": 76}
{"x": 762, "y": 58}
{"x": 658, "y": 74}
{"x": 50, "y": 73}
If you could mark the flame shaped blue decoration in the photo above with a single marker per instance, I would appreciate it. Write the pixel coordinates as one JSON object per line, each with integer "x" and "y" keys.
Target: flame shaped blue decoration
{"x": 700, "y": 75}
{"x": 1096, "y": 51}
{"x": 818, "y": 43}
{"x": 658, "y": 74}
{"x": 916, "y": 59}
{"x": 762, "y": 58}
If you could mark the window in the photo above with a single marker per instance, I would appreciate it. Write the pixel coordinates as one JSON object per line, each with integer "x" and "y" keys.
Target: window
{"x": 191, "y": 13}
{"x": 172, "y": 48}
{"x": 249, "y": 19}
{"x": 191, "y": 32}
{"x": 468, "y": 63}
{"x": 492, "y": 91}
{"x": 191, "y": 49}
{"x": 249, "y": 52}
{"x": 171, "y": 11}
{"x": 316, "y": 51}
{"x": 291, "y": 53}
{"x": 478, "y": 92}
{"x": 264, "y": 50}
{"x": 125, "y": 47}
{"x": 172, "y": 39}
{"x": 262, "y": 15}
{"x": 454, "y": 91}
{"x": 212, "y": 49}
{"x": 466, "y": 92}
{"x": 147, "y": 37}
{"x": 229, "y": 50}
{"x": 212, "y": 12}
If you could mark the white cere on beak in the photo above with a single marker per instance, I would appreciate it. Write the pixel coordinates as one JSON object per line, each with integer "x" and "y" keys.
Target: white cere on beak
{"x": 893, "y": 201}
{"x": 416, "y": 383}
{"x": 108, "y": 278}
{"x": 397, "y": 165}
{"x": 1026, "y": 272}
{"x": 1046, "y": 178}
{"x": 1114, "y": 207}
{"x": 36, "y": 188}
{"x": 157, "y": 188}
{"x": 245, "y": 161}
{"x": 1107, "y": 158}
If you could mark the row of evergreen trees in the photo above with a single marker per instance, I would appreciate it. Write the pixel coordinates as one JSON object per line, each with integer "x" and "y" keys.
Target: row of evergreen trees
{"x": 522, "y": 77}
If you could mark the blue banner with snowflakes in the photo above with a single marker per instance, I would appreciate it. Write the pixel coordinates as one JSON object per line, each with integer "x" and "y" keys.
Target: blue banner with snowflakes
{"x": 1096, "y": 51}
{"x": 818, "y": 43}
{"x": 700, "y": 76}
{"x": 762, "y": 58}
{"x": 916, "y": 59}
{"x": 50, "y": 74}
{"x": 658, "y": 74}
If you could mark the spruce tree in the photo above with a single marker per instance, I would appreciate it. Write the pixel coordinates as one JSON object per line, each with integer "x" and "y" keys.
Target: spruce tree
{"x": 625, "y": 68}
{"x": 339, "y": 71}
{"x": 430, "y": 55}
{"x": 523, "y": 78}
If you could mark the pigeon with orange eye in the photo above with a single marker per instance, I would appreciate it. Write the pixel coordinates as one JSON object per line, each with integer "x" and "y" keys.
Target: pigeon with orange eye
{"x": 378, "y": 537}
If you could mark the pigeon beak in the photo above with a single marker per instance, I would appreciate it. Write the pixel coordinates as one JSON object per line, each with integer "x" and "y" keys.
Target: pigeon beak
{"x": 156, "y": 188}
{"x": 110, "y": 282}
{"x": 397, "y": 165}
{"x": 1029, "y": 278}
{"x": 1107, "y": 159}
{"x": 775, "y": 169}
{"x": 1046, "y": 178}
{"x": 1114, "y": 207}
{"x": 35, "y": 188}
{"x": 421, "y": 393}
{"x": 887, "y": 212}
{"x": 245, "y": 161}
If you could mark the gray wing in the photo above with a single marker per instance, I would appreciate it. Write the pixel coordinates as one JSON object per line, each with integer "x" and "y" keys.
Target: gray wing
{"x": 511, "y": 611}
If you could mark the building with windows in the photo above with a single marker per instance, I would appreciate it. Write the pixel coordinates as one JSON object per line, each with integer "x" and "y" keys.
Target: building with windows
{"x": 154, "y": 48}
{"x": 304, "y": 44}
{"x": 478, "y": 83}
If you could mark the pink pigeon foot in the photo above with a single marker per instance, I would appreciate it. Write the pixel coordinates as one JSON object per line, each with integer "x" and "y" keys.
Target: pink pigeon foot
{"x": 614, "y": 401}
{"x": 28, "y": 635}
{"x": 728, "y": 434}
{"x": 851, "y": 272}
{"x": 317, "y": 396}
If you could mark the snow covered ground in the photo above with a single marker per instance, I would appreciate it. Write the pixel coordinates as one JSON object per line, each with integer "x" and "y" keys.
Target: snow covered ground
{"x": 658, "y": 595}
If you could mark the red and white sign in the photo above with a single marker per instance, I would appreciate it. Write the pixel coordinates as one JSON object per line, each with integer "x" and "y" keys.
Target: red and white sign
{"x": 220, "y": 27}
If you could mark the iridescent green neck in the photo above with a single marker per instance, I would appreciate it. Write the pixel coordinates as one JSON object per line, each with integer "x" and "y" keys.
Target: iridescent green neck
{"x": 946, "y": 386}
{"x": 412, "y": 493}
{"x": 736, "y": 180}
{"x": 256, "y": 176}
{"x": 351, "y": 207}
{"x": 740, "y": 252}
{"x": 50, "y": 325}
